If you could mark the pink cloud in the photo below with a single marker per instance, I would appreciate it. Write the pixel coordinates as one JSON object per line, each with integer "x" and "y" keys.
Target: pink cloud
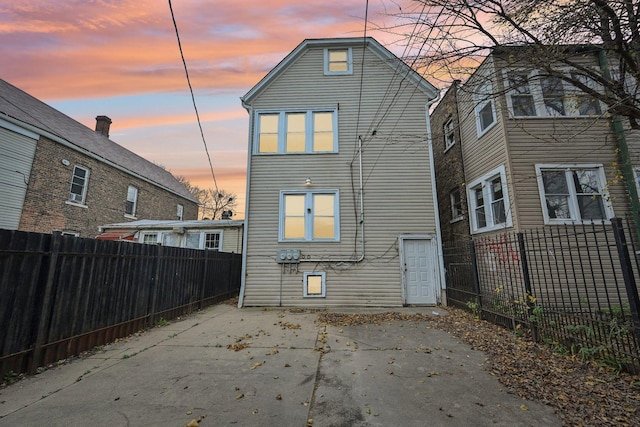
{"x": 79, "y": 49}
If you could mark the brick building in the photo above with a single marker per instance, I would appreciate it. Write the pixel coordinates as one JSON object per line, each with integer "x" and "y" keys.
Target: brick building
{"x": 58, "y": 175}
{"x": 450, "y": 179}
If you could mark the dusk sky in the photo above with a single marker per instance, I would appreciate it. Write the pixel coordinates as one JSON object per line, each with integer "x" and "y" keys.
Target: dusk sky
{"x": 120, "y": 58}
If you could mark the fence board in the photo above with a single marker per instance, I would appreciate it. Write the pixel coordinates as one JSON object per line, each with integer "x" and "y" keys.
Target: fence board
{"x": 62, "y": 295}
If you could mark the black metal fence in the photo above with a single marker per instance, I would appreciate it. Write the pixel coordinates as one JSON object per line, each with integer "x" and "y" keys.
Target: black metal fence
{"x": 572, "y": 286}
{"x": 61, "y": 295}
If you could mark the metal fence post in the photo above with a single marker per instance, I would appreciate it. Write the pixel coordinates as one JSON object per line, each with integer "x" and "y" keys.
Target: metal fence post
{"x": 205, "y": 272}
{"x": 45, "y": 311}
{"x": 527, "y": 284}
{"x": 475, "y": 277}
{"x": 627, "y": 274}
{"x": 156, "y": 285}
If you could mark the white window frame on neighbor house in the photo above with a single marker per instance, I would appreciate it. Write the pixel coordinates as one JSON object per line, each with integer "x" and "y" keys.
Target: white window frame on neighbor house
{"x": 449, "y": 134}
{"x": 636, "y": 176}
{"x": 79, "y": 197}
{"x": 308, "y": 216}
{"x": 569, "y": 99}
{"x": 484, "y": 99}
{"x": 484, "y": 184}
{"x": 179, "y": 211}
{"x": 334, "y": 65}
{"x": 572, "y": 194}
{"x": 132, "y": 202}
{"x": 203, "y": 239}
{"x": 322, "y": 292}
{"x": 286, "y": 131}
{"x": 150, "y": 237}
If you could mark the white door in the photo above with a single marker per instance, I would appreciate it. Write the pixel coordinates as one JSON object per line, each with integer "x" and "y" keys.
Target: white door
{"x": 419, "y": 264}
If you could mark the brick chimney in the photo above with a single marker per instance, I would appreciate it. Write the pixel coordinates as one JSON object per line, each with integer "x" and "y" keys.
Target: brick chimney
{"x": 102, "y": 125}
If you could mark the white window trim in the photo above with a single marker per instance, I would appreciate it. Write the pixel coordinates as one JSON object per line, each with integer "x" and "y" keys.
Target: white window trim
{"x": 608, "y": 208}
{"x": 323, "y": 275}
{"x": 534, "y": 79}
{"x": 282, "y": 130}
{"x": 84, "y": 187}
{"x": 349, "y": 62}
{"x": 146, "y": 233}
{"x": 636, "y": 176}
{"x": 309, "y": 224}
{"x": 471, "y": 201}
{"x": 202, "y": 238}
{"x": 132, "y": 215}
{"x": 447, "y": 145}
{"x": 451, "y": 204}
{"x": 481, "y": 99}
{"x": 180, "y": 211}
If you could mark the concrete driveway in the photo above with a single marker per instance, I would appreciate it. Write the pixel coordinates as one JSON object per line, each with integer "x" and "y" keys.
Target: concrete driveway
{"x": 266, "y": 367}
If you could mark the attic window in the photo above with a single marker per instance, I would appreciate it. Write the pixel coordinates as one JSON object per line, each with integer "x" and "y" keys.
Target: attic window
{"x": 338, "y": 61}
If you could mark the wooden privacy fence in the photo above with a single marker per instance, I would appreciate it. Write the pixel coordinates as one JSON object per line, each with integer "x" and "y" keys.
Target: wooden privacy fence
{"x": 61, "y": 295}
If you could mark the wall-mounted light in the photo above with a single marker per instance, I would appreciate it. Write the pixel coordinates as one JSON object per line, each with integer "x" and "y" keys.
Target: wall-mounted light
{"x": 65, "y": 162}
{"x": 308, "y": 181}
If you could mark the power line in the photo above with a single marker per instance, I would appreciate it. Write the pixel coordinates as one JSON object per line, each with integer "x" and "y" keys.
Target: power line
{"x": 193, "y": 99}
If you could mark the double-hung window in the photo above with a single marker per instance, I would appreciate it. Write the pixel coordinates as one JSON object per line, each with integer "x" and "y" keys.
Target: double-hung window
{"x": 179, "y": 211}
{"x": 489, "y": 202}
{"x": 338, "y": 61}
{"x": 204, "y": 240}
{"x": 485, "y": 110}
{"x": 573, "y": 193}
{"x": 132, "y": 201}
{"x": 79, "y": 183}
{"x": 455, "y": 198}
{"x": 580, "y": 102}
{"x": 309, "y": 216}
{"x": 449, "y": 134}
{"x": 533, "y": 94}
{"x": 150, "y": 238}
{"x": 297, "y": 132}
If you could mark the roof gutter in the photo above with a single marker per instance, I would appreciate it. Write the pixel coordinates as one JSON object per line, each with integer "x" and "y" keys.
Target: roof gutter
{"x": 88, "y": 153}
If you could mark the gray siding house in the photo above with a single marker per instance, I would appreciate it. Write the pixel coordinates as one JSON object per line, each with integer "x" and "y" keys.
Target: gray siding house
{"x": 533, "y": 151}
{"x": 341, "y": 207}
{"x": 58, "y": 175}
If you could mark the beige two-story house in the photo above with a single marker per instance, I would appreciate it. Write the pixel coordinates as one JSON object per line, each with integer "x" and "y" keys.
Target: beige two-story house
{"x": 531, "y": 150}
{"x": 341, "y": 206}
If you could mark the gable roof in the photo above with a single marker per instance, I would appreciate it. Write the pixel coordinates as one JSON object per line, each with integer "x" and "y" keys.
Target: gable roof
{"x": 22, "y": 109}
{"x": 370, "y": 43}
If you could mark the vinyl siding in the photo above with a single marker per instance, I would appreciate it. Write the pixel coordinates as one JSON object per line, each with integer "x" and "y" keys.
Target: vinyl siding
{"x": 232, "y": 240}
{"x": 15, "y": 169}
{"x": 489, "y": 151}
{"x": 397, "y": 186}
{"x": 559, "y": 141}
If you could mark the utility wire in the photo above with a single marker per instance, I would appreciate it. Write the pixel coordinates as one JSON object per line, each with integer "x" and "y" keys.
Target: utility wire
{"x": 193, "y": 99}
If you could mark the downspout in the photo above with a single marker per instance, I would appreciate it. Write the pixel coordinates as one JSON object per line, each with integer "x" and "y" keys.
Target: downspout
{"x": 624, "y": 160}
{"x": 434, "y": 194}
{"x": 245, "y": 229}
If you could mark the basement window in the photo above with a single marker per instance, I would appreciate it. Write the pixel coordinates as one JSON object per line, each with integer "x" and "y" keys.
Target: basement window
{"x": 314, "y": 284}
